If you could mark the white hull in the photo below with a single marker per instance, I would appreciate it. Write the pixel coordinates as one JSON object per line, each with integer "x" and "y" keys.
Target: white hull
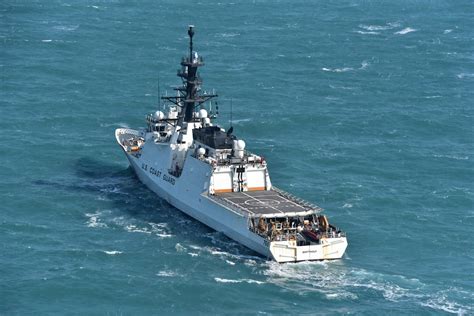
{"x": 190, "y": 193}
{"x": 206, "y": 172}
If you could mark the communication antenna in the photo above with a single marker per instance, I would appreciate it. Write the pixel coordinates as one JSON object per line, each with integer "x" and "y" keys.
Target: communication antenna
{"x": 159, "y": 91}
{"x": 230, "y": 112}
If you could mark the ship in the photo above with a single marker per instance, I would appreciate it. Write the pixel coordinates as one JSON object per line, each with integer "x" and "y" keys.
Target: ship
{"x": 206, "y": 172}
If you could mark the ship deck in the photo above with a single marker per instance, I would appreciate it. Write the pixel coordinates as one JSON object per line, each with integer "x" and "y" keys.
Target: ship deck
{"x": 272, "y": 203}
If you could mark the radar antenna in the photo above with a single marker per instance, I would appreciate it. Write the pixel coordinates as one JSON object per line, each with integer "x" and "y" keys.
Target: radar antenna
{"x": 188, "y": 94}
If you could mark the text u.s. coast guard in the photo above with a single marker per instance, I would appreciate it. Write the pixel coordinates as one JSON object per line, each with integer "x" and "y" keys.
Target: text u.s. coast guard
{"x": 158, "y": 173}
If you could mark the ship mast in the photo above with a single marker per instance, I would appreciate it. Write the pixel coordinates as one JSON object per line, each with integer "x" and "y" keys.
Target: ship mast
{"x": 189, "y": 97}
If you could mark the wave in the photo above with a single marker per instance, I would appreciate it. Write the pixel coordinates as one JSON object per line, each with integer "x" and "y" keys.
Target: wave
{"x": 368, "y": 32}
{"x": 166, "y": 273}
{"x": 441, "y": 302}
{"x": 66, "y": 28}
{"x": 112, "y": 252}
{"x": 134, "y": 229}
{"x": 228, "y": 34}
{"x": 54, "y": 41}
{"x": 340, "y": 87}
{"x": 345, "y": 69}
{"x": 335, "y": 281}
{"x": 405, "y": 31}
{"x": 248, "y": 260}
{"x": 180, "y": 248}
{"x": 452, "y": 157}
{"x": 363, "y": 65}
{"x": 465, "y": 75}
{"x": 94, "y": 220}
{"x": 250, "y": 281}
{"x": 119, "y": 124}
{"x": 163, "y": 235}
{"x": 241, "y": 120}
{"x": 385, "y": 27}
{"x": 154, "y": 229}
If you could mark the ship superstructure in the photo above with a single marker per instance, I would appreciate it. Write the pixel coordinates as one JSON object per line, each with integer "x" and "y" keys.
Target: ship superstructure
{"x": 206, "y": 172}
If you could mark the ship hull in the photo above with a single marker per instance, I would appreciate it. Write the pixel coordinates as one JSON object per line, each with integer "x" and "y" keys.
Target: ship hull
{"x": 189, "y": 194}
{"x": 198, "y": 206}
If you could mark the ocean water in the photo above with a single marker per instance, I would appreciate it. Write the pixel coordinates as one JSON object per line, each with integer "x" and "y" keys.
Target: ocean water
{"x": 363, "y": 107}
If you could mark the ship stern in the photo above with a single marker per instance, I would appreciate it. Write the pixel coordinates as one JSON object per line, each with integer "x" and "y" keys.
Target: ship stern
{"x": 326, "y": 249}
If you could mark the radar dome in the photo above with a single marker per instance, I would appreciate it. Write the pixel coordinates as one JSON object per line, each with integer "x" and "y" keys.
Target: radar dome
{"x": 159, "y": 115}
{"x": 201, "y": 151}
{"x": 202, "y": 113}
{"x": 240, "y": 144}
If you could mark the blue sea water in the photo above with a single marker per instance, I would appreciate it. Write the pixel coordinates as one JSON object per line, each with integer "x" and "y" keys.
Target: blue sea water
{"x": 363, "y": 107}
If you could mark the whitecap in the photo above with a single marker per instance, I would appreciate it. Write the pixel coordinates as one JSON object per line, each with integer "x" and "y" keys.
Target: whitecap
{"x": 220, "y": 253}
{"x": 406, "y": 31}
{"x": 442, "y": 303}
{"x": 447, "y": 31}
{"x": 340, "y": 87}
{"x": 112, "y": 252}
{"x": 163, "y": 235}
{"x": 368, "y": 32}
{"x": 193, "y": 254}
{"x": 347, "y": 205}
{"x": 224, "y": 254}
{"x": 228, "y": 34}
{"x": 375, "y": 27}
{"x": 337, "y": 69}
{"x": 465, "y": 75}
{"x": 242, "y": 120}
{"x": 134, "y": 229}
{"x": 46, "y": 41}
{"x": 364, "y": 65}
{"x": 180, "y": 248}
{"x": 119, "y": 124}
{"x": 250, "y": 281}
{"x": 166, "y": 273}
{"x": 452, "y": 157}
{"x": 159, "y": 230}
{"x": 230, "y": 262}
{"x": 66, "y": 27}
{"x": 155, "y": 225}
{"x": 341, "y": 296}
{"x": 94, "y": 221}
{"x": 337, "y": 282}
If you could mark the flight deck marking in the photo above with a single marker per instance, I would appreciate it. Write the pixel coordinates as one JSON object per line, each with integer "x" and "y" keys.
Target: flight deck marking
{"x": 262, "y": 202}
{"x": 258, "y": 200}
{"x": 285, "y": 199}
{"x": 296, "y": 204}
{"x": 238, "y": 205}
